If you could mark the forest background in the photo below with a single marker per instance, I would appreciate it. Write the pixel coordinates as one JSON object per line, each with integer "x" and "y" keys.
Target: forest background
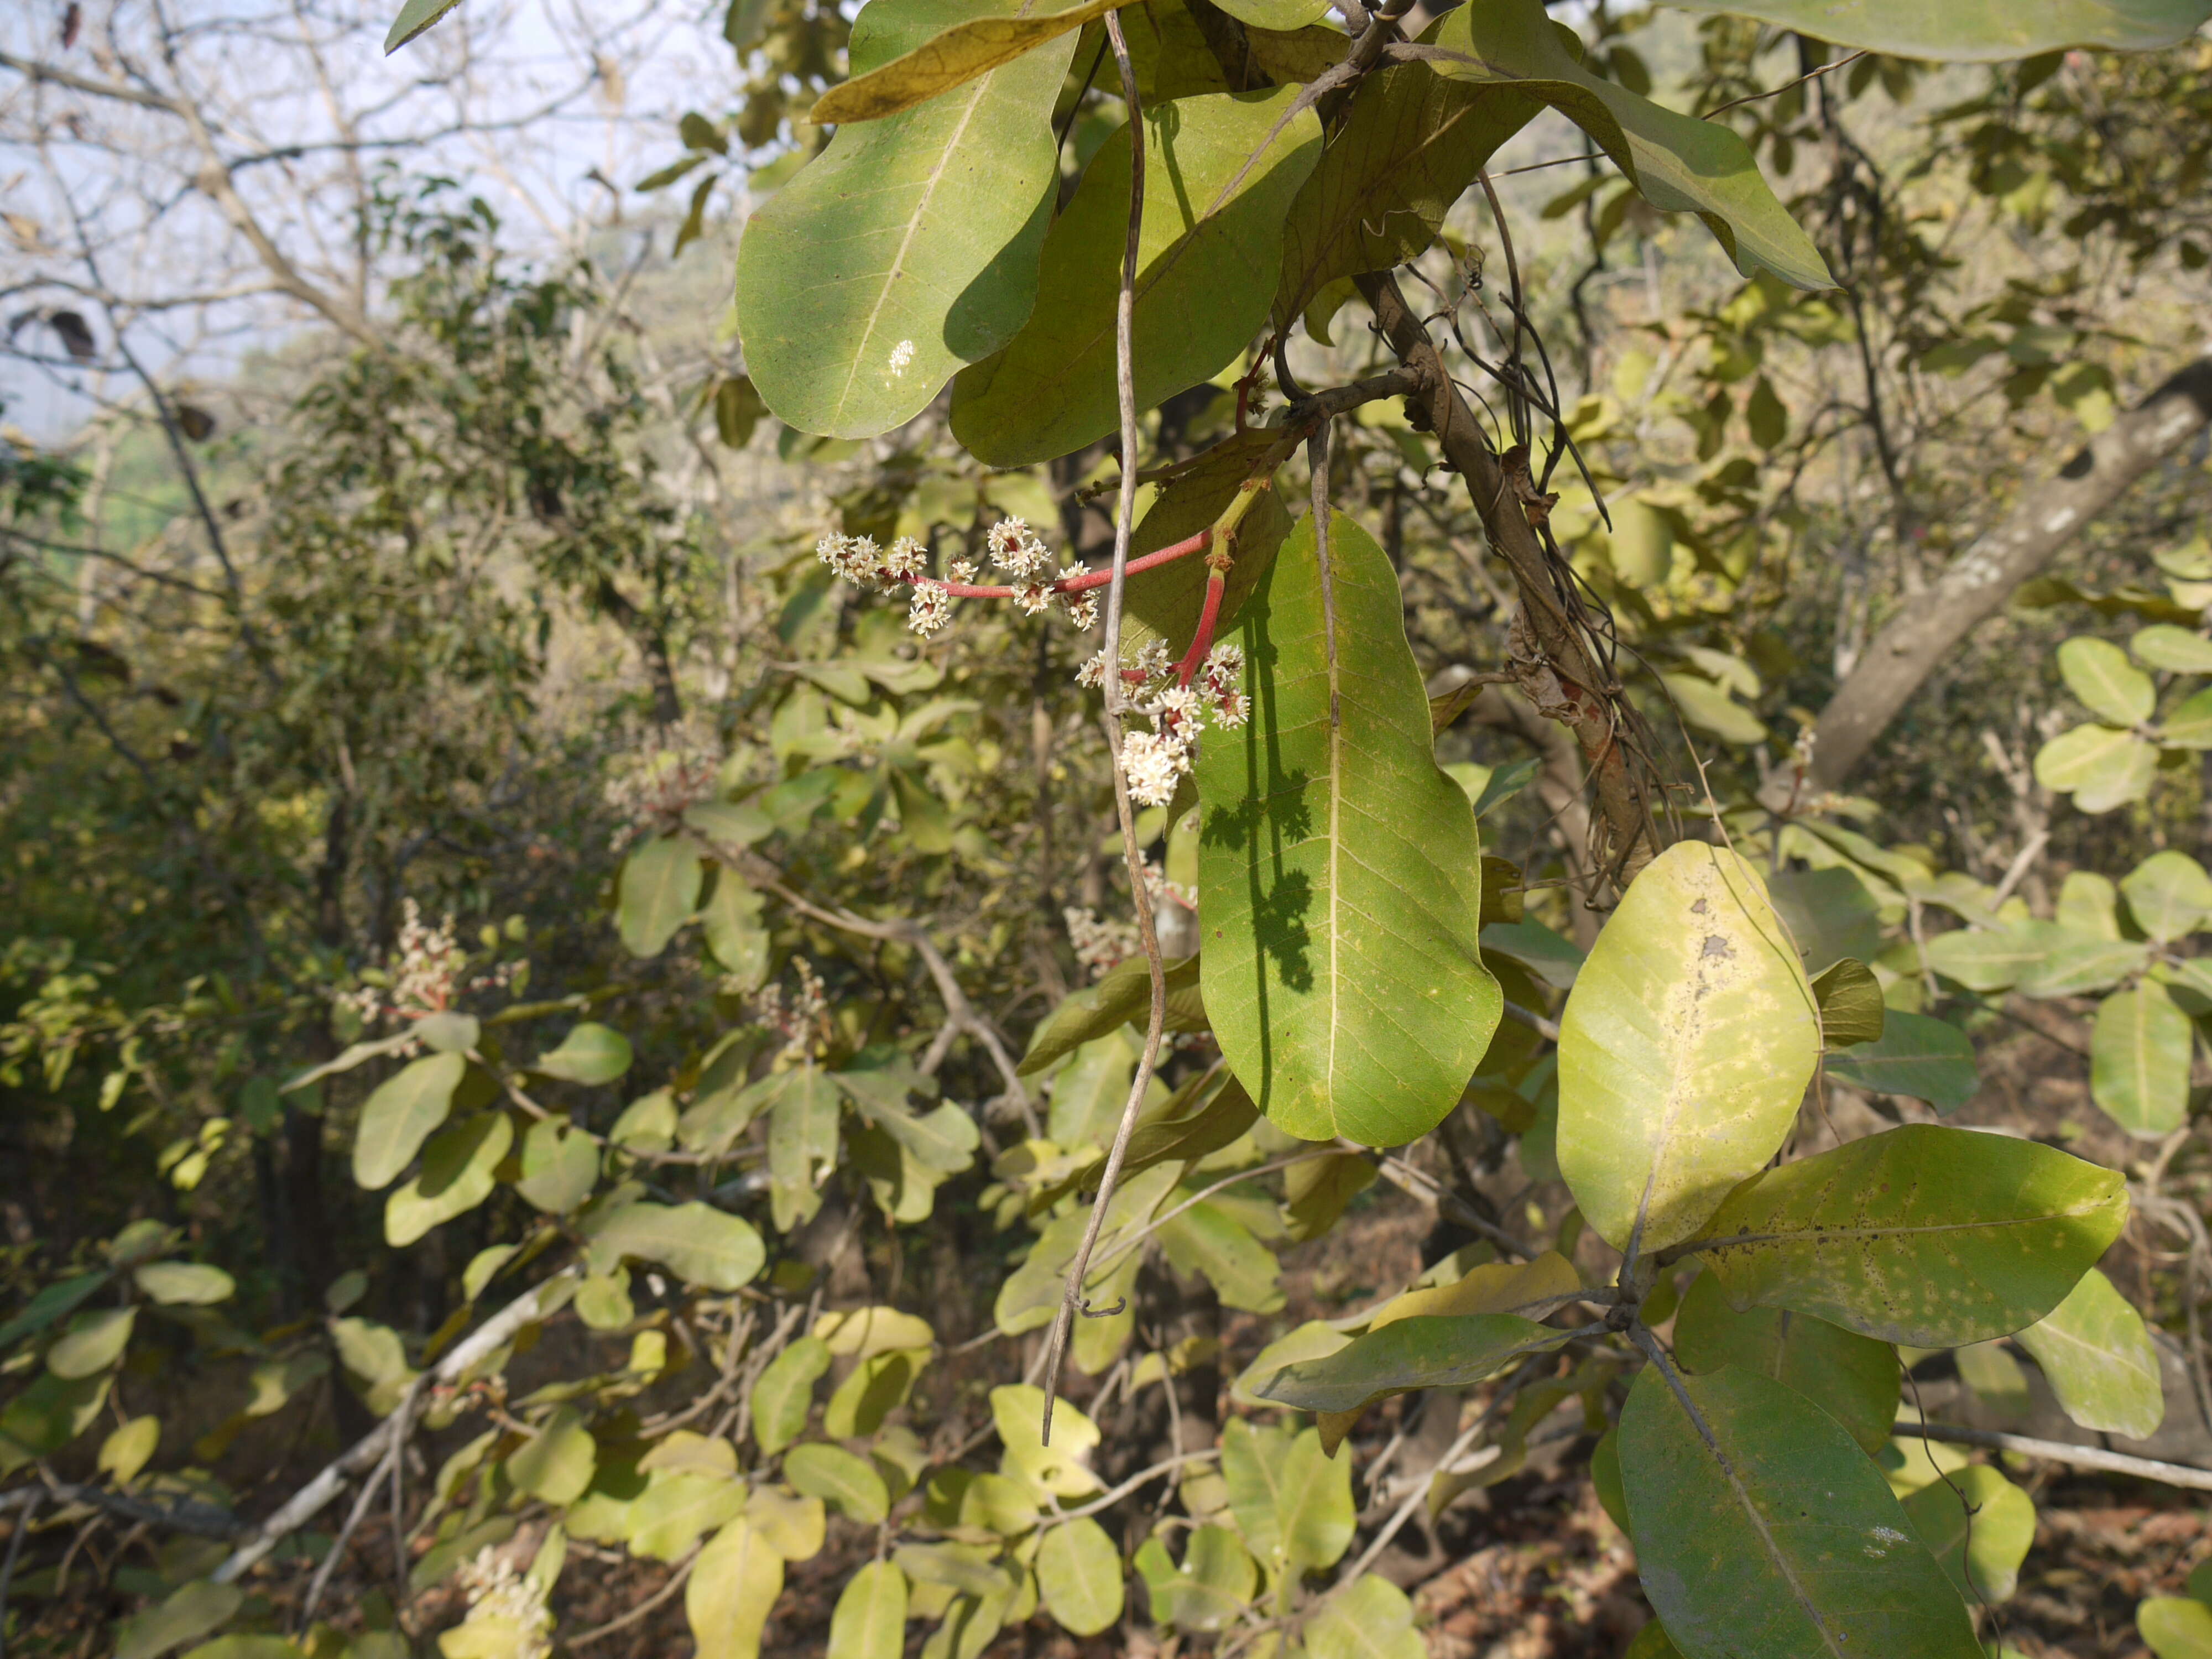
{"x": 392, "y": 545}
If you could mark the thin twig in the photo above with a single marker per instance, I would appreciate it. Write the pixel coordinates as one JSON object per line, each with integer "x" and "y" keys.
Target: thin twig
{"x": 1106, "y": 1500}
{"x": 2056, "y": 1451}
{"x": 353, "y": 1518}
{"x": 675, "y": 1583}
{"x": 29, "y": 1502}
{"x": 1125, "y": 325}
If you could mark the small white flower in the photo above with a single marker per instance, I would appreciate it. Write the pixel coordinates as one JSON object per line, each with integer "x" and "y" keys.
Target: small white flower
{"x": 1083, "y": 612}
{"x": 1153, "y": 661}
{"x": 1093, "y": 672}
{"x": 905, "y": 559}
{"x": 963, "y": 570}
{"x": 1099, "y": 945}
{"x": 1034, "y": 597}
{"x": 931, "y": 611}
{"x": 1154, "y": 763}
{"x": 1016, "y": 549}
{"x": 1230, "y": 709}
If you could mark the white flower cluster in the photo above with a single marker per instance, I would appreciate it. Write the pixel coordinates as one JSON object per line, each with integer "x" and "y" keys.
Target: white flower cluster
{"x": 802, "y": 1020}
{"x": 497, "y": 1592}
{"x": 1099, "y": 944}
{"x": 861, "y": 563}
{"x": 1155, "y": 760}
{"x": 423, "y": 975}
{"x": 1015, "y": 548}
{"x": 650, "y": 790}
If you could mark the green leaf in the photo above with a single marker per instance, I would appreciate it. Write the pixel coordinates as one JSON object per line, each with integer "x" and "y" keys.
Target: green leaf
{"x": 2101, "y": 767}
{"x": 1428, "y": 1351}
{"x": 909, "y": 247}
{"x": 1853, "y": 1378}
{"x": 459, "y": 1169}
{"x": 187, "y": 1284}
{"x": 1342, "y": 969}
{"x": 802, "y": 1134}
{"x": 51, "y": 1303}
{"x": 734, "y": 1586}
{"x": 1830, "y": 913}
{"x": 1923, "y": 1235}
{"x": 947, "y": 60}
{"x": 1987, "y": 961}
{"x": 2072, "y": 964}
{"x": 1124, "y": 994}
{"x": 449, "y": 1033}
{"x": 660, "y": 890}
{"x": 49, "y": 1414}
{"x": 1852, "y": 1008}
{"x": 1761, "y": 1528}
{"x": 555, "y": 1464}
{"x": 785, "y": 1394}
{"x": 2189, "y": 725}
{"x": 589, "y": 1054}
{"x": 2139, "y": 1052}
{"x": 415, "y": 17}
{"x": 1915, "y": 1055}
{"x": 1684, "y": 1050}
{"x": 2098, "y": 673}
{"x": 1680, "y": 165}
{"x": 1207, "y": 1239}
{"x": 401, "y": 1114}
{"x": 1213, "y": 1584}
{"x": 871, "y": 1391}
{"x": 869, "y": 1622}
{"x": 95, "y": 1341}
{"x": 2169, "y": 895}
{"x": 1277, "y": 15}
{"x": 1079, "y": 1574}
{"x": 1372, "y": 1619}
{"x": 1976, "y": 34}
{"x": 2175, "y": 1626}
{"x": 1210, "y": 249}
{"x": 700, "y": 1245}
{"x": 847, "y": 1483}
{"x": 186, "y": 1615}
{"x": 2177, "y": 650}
{"x": 127, "y": 1449}
{"x": 1193, "y": 1121}
{"x": 667, "y": 1520}
{"x": 1978, "y": 1525}
{"x": 1552, "y": 958}
{"x": 1709, "y": 708}
{"x": 1652, "y": 1642}
{"x": 2099, "y": 1359}
{"x": 1411, "y": 146}
{"x": 560, "y": 1166}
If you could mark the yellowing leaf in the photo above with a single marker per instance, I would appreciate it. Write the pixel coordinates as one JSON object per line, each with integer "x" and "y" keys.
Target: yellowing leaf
{"x": 948, "y": 60}
{"x": 2139, "y": 1060}
{"x": 1495, "y": 1287}
{"x": 401, "y": 1114}
{"x": 1079, "y": 1576}
{"x": 2098, "y": 1358}
{"x": 1684, "y": 1050}
{"x": 732, "y": 1589}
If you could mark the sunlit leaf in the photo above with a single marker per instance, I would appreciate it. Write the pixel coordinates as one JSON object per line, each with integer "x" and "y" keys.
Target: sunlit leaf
{"x": 1684, "y": 1050}
{"x": 847, "y": 1483}
{"x": 1370, "y": 1618}
{"x": 589, "y": 1054}
{"x": 658, "y": 890}
{"x": 2098, "y": 1358}
{"x": 785, "y": 1394}
{"x": 555, "y": 1464}
{"x": 2100, "y": 766}
{"x": 459, "y": 1169}
{"x": 909, "y": 247}
{"x": 1975, "y": 34}
{"x": 699, "y": 1244}
{"x": 1342, "y": 966}
{"x": 401, "y": 1114}
{"x": 1929, "y": 1235}
{"x": 187, "y": 1284}
{"x": 2169, "y": 896}
{"x": 1425, "y": 1351}
{"x": 1079, "y": 1577}
{"x": 734, "y": 1586}
{"x": 1978, "y": 1525}
{"x": 93, "y": 1341}
{"x": 2139, "y": 1055}
{"x": 949, "y": 59}
{"x": 869, "y": 1620}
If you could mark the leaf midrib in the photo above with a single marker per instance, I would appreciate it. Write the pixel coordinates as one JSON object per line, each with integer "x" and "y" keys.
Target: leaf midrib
{"x": 2087, "y": 1206}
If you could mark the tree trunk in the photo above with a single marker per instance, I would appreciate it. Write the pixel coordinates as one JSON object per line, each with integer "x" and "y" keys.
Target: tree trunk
{"x": 1981, "y": 578}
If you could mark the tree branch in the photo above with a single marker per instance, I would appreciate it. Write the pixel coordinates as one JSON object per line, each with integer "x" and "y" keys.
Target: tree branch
{"x": 2058, "y": 1451}
{"x": 1982, "y": 577}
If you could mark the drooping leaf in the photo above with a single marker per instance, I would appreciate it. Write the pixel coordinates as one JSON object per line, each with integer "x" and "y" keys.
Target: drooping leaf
{"x": 909, "y": 247}
{"x": 1830, "y": 916}
{"x": 1915, "y": 1055}
{"x": 2175, "y": 649}
{"x": 658, "y": 890}
{"x": 1680, "y": 165}
{"x": 1684, "y": 1050}
{"x": 2139, "y": 1054}
{"x": 1533, "y": 1289}
{"x": 401, "y": 1114}
{"x": 1425, "y": 1351}
{"x": 1978, "y": 1525}
{"x": 949, "y": 59}
{"x": 1852, "y": 1008}
{"x": 1079, "y": 1577}
{"x": 2100, "y": 766}
{"x": 2169, "y": 896}
{"x": 785, "y": 1393}
{"x": 2098, "y": 1357}
{"x": 1853, "y": 1378}
{"x": 186, "y": 1615}
{"x": 1924, "y": 1235}
{"x": 734, "y": 1586}
{"x": 459, "y": 1169}
{"x": 700, "y": 1245}
{"x": 1207, "y": 260}
{"x": 415, "y": 18}
{"x": 1976, "y": 34}
{"x": 847, "y": 1483}
{"x": 869, "y": 1620}
{"x": 589, "y": 1054}
{"x": 2099, "y": 673}
{"x": 1341, "y": 868}
{"x": 1761, "y": 1528}
{"x": 1124, "y": 994}
{"x": 1370, "y": 1618}
{"x": 1411, "y": 146}
{"x": 555, "y": 1464}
